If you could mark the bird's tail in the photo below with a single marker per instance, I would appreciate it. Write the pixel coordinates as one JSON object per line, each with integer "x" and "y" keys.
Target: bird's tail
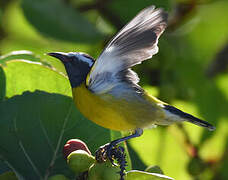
{"x": 189, "y": 118}
{"x": 202, "y": 123}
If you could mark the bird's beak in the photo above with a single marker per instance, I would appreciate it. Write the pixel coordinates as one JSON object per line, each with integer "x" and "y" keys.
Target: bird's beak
{"x": 59, "y": 55}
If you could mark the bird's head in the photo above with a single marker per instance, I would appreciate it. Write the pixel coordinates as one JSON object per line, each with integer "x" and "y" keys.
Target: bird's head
{"x": 77, "y": 65}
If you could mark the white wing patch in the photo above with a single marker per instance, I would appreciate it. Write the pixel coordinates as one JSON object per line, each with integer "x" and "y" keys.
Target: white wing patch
{"x": 136, "y": 42}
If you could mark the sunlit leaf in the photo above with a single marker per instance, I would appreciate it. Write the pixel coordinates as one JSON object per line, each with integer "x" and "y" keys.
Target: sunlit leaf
{"x": 161, "y": 147}
{"x": 141, "y": 175}
{"x": 22, "y": 75}
{"x": 24, "y": 55}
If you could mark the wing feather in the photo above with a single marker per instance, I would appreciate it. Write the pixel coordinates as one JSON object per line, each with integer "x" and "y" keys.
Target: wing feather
{"x": 136, "y": 42}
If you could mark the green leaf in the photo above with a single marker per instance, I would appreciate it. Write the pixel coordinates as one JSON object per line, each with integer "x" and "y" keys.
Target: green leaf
{"x": 154, "y": 147}
{"x": 56, "y": 19}
{"x": 141, "y": 175}
{"x": 2, "y": 84}
{"x": 134, "y": 6}
{"x": 8, "y": 176}
{"x": 23, "y": 55}
{"x": 154, "y": 169}
{"x": 30, "y": 56}
{"x": 34, "y": 128}
{"x": 23, "y": 75}
{"x": 136, "y": 160}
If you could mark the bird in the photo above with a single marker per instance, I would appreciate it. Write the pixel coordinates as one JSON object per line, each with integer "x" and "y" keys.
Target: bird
{"x": 107, "y": 91}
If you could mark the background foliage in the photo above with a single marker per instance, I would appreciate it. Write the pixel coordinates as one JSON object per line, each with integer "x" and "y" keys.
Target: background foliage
{"x": 36, "y": 112}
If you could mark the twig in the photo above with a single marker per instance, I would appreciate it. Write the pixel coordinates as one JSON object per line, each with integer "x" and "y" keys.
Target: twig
{"x": 219, "y": 64}
{"x": 182, "y": 11}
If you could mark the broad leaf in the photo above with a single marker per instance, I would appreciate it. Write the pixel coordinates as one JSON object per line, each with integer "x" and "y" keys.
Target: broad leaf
{"x": 34, "y": 128}
{"x": 23, "y": 55}
{"x": 141, "y": 175}
{"x": 23, "y": 75}
{"x": 56, "y": 19}
{"x": 30, "y": 56}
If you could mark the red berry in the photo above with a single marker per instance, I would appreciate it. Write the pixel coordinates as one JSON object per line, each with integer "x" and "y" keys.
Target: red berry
{"x": 73, "y": 145}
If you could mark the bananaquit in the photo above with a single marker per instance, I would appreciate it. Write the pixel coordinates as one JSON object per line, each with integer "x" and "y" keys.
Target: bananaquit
{"x": 106, "y": 91}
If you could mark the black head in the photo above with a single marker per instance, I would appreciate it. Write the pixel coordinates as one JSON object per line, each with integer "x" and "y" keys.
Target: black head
{"x": 77, "y": 65}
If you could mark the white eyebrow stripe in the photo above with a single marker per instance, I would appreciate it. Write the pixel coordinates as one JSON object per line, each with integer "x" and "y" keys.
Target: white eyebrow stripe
{"x": 84, "y": 59}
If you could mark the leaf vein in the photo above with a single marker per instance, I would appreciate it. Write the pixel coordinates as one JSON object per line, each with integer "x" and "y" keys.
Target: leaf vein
{"x": 55, "y": 155}
{"x": 46, "y": 134}
{"x": 24, "y": 151}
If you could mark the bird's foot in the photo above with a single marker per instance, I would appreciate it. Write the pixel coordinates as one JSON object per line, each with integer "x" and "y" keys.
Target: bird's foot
{"x": 107, "y": 151}
{"x": 112, "y": 152}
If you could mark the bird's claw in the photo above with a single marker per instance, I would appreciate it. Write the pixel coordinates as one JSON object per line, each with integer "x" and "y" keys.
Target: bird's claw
{"x": 112, "y": 152}
{"x": 105, "y": 152}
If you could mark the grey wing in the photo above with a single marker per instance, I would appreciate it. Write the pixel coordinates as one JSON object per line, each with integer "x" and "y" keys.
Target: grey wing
{"x": 136, "y": 42}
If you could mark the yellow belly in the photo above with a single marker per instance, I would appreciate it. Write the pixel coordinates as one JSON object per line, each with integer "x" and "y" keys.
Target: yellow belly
{"x": 111, "y": 113}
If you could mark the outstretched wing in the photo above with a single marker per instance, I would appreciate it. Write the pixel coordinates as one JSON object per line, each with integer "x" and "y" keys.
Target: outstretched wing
{"x": 136, "y": 42}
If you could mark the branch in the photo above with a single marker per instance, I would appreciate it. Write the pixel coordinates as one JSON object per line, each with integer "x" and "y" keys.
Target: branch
{"x": 182, "y": 11}
{"x": 219, "y": 64}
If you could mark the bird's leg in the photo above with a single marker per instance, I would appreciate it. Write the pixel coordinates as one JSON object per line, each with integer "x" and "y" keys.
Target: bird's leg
{"x": 113, "y": 152}
{"x": 109, "y": 150}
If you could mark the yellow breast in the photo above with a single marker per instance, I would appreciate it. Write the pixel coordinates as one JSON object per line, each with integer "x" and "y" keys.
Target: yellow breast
{"x": 112, "y": 113}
